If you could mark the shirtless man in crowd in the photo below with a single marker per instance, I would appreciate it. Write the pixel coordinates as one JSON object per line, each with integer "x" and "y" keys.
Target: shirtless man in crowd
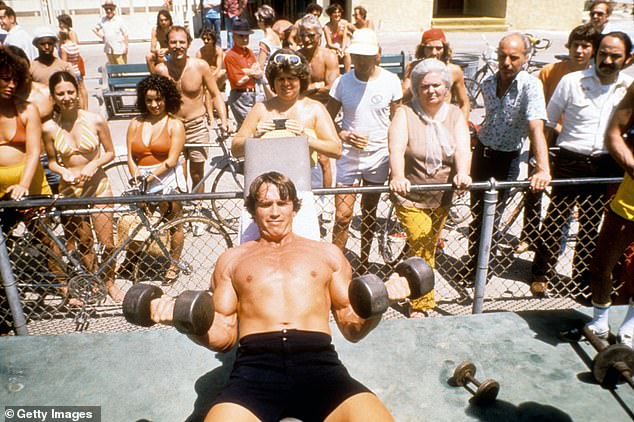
{"x": 324, "y": 69}
{"x": 192, "y": 77}
{"x": 282, "y": 306}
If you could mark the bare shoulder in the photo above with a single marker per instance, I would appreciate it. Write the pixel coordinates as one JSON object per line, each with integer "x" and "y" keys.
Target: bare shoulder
{"x": 175, "y": 123}
{"x": 455, "y": 70}
{"x": 197, "y": 63}
{"x": 49, "y": 127}
{"x": 95, "y": 118}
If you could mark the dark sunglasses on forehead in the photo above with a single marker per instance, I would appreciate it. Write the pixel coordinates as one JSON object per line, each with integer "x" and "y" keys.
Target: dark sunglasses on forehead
{"x": 283, "y": 58}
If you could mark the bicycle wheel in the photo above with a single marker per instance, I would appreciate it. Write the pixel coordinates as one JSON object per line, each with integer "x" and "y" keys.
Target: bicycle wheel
{"x": 203, "y": 241}
{"x": 230, "y": 178}
{"x": 474, "y": 92}
{"x": 393, "y": 239}
{"x": 119, "y": 174}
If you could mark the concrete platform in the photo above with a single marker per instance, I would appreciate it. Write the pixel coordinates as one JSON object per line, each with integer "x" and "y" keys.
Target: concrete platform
{"x": 162, "y": 376}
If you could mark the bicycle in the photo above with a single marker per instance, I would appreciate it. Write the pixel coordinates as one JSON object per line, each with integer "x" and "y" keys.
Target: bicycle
{"x": 229, "y": 178}
{"x": 537, "y": 44}
{"x": 146, "y": 240}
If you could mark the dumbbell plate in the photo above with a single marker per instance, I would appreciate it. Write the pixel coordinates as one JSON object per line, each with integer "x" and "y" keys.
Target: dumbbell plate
{"x": 487, "y": 391}
{"x": 368, "y": 295}
{"x": 136, "y": 303}
{"x": 603, "y": 364}
{"x": 193, "y": 312}
{"x": 419, "y": 274}
{"x": 462, "y": 371}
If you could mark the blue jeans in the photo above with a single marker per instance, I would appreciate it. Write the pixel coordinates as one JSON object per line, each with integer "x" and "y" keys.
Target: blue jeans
{"x": 228, "y": 25}
{"x": 213, "y": 24}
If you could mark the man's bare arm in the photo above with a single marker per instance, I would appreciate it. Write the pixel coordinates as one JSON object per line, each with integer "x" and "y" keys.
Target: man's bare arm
{"x": 327, "y": 141}
{"x": 621, "y": 121}
{"x": 351, "y": 325}
{"x": 223, "y": 333}
{"x": 540, "y": 178}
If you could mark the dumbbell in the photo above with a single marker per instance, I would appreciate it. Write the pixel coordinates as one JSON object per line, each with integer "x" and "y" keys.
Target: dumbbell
{"x": 613, "y": 363}
{"x": 368, "y": 294}
{"x": 487, "y": 390}
{"x": 193, "y": 310}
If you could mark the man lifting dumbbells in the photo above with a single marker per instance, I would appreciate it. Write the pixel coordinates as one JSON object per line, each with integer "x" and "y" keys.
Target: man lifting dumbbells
{"x": 280, "y": 289}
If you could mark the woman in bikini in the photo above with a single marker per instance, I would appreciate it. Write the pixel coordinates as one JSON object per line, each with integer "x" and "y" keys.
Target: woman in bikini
{"x": 155, "y": 141}
{"x": 78, "y": 144}
{"x": 336, "y": 32}
{"x": 20, "y": 130}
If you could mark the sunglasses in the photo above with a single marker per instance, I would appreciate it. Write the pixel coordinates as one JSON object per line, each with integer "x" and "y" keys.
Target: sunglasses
{"x": 108, "y": 9}
{"x": 291, "y": 59}
{"x": 307, "y": 35}
{"x": 597, "y": 13}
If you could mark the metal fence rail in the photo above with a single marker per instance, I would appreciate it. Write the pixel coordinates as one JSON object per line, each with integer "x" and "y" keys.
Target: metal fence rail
{"x": 56, "y": 269}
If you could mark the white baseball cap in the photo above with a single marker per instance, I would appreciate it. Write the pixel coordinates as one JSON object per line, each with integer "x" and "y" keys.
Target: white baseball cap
{"x": 364, "y": 43}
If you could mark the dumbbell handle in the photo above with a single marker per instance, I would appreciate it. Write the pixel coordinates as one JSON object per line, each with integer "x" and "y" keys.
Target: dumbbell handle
{"x": 593, "y": 339}
{"x": 474, "y": 381}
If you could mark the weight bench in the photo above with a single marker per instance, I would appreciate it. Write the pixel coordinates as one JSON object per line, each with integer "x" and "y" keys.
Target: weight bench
{"x": 120, "y": 81}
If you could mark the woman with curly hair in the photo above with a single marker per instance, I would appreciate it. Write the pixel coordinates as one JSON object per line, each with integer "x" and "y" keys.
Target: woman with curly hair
{"x": 78, "y": 144}
{"x": 155, "y": 141}
{"x": 337, "y": 32}
{"x": 158, "y": 44}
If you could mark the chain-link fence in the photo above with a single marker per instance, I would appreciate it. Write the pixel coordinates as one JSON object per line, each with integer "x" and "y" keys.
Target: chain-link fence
{"x": 71, "y": 261}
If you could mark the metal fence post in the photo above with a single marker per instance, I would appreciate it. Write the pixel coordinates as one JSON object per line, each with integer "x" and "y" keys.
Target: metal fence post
{"x": 486, "y": 235}
{"x": 10, "y": 289}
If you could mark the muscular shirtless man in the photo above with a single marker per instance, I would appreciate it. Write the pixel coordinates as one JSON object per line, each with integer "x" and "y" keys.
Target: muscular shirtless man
{"x": 286, "y": 365}
{"x": 192, "y": 77}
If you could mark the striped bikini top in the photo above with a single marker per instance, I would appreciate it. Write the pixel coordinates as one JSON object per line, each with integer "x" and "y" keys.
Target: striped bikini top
{"x": 87, "y": 143}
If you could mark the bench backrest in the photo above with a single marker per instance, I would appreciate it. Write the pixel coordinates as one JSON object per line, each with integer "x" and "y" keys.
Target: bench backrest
{"x": 395, "y": 63}
{"x": 125, "y": 76}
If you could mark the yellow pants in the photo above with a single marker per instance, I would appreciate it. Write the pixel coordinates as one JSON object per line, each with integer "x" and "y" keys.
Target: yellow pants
{"x": 423, "y": 228}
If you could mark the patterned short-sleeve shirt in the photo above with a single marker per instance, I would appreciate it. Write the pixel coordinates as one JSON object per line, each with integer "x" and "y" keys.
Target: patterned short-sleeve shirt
{"x": 506, "y": 124}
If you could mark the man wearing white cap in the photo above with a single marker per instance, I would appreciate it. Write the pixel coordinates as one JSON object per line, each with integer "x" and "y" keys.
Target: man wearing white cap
{"x": 368, "y": 96}
{"x": 46, "y": 63}
{"x": 111, "y": 30}
{"x": 16, "y": 34}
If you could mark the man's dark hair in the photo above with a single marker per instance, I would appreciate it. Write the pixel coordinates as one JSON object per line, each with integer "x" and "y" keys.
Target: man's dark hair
{"x": 65, "y": 19}
{"x": 419, "y": 53}
{"x": 301, "y": 70}
{"x": 585, "y": 32}
{"x": 18, "y": 68}
{"x": 362, "y": 11}
{"x": 284, "y": 185}
{"x": 312, "y": 7}
{"x": 177, "y": 28}
{"x": 165, "y": 88}
{"x": 8, "y": 12}
{"x": 627, "y": 42}
{"x": 609, "y": 4}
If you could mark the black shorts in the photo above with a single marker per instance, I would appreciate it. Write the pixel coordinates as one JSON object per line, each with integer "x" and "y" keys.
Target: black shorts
{"x": 289, "y": 373}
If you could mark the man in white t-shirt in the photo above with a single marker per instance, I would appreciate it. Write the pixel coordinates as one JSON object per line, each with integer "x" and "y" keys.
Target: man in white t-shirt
{"x": 368, "y": 97}
{"x": 114, "y": 34}
{"x": 16, "y": 35}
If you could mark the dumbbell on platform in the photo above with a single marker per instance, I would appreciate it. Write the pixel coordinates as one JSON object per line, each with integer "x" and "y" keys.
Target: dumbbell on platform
{"x": 369, "y": 296}
{"x": 193, "y": 310}
{"x": 487, "y": 390}
{"x": 613, "y": 363}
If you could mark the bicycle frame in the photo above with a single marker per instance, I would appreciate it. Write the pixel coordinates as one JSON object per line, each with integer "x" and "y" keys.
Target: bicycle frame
{"x": 218, "y": 162}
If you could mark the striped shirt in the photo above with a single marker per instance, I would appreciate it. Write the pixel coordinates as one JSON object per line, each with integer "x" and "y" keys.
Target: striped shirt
{"x": 72, "y": 54}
